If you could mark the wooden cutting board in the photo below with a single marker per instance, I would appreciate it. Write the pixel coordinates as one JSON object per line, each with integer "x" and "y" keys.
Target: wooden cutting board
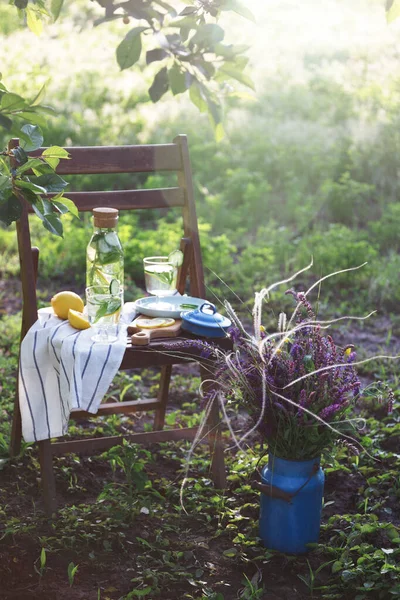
{"x": 142, "y": 336}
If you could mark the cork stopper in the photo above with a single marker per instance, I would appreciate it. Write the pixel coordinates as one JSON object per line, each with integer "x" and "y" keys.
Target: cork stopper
{"x": 105, "y": 218}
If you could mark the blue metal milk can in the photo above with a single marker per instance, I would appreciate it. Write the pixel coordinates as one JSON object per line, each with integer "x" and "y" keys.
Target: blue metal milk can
{"x": 291, "y": 504}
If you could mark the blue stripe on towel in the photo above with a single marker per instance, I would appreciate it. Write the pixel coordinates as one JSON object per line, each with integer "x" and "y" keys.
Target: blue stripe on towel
{"x": 75, "y": 384}
{"x": 101, "y": 375}
{"x": 88, "y": 358}
{"x": 27, "y": 399}
{"x": 53, "y": 336}
{"x": 62, "y": 362}
{"x": 41, "y": 383}
{"x": 61, "y": 398}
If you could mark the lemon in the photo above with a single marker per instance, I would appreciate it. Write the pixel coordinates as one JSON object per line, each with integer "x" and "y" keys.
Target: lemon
{"x": 78, "y": 319}
{"x": 63, "y": 301}
{"x": 154, "y": 323}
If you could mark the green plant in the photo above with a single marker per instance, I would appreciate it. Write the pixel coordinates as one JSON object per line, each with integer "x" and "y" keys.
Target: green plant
{"x": 16, "y": 184}
{"x": 310, "y": 579}
{"x": 252, "y": 589}
{"x": 132, "y": 460}
{"x": 42, "y": 563}
{"x": 72, "y": 570}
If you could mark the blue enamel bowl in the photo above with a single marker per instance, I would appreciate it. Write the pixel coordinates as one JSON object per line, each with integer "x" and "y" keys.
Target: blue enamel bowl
{"x": 205, "y": 321}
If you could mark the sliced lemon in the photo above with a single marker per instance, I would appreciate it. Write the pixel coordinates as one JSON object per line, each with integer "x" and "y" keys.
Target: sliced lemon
{"x": 63, "y": 301}
{"x": 154, "y": 323}
{"x": 78, "y": 319}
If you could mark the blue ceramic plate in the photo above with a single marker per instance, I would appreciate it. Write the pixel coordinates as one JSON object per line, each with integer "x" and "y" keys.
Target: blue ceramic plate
{"x": 178, "y": 304}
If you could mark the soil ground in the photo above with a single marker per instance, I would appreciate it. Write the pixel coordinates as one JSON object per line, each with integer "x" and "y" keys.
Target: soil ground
{"x": 153, "y": 548}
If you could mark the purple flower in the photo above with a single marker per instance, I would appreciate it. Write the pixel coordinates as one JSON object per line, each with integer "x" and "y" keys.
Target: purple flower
{"x": 327, "y": 413}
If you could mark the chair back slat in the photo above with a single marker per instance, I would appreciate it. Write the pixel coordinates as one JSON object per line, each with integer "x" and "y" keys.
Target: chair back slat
{"x": 128, "y": 199}
{"x": 119, "y": 159}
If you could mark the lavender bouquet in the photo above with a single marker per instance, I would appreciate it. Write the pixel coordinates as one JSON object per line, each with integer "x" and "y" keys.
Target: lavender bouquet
{"x": 296, "y": 383}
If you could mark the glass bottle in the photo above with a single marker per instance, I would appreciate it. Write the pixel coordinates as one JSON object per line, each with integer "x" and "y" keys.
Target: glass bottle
{"x": 104, "y": 254}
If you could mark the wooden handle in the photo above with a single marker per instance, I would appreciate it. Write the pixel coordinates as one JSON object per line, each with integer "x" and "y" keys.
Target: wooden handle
{"x": 141, "y": 338}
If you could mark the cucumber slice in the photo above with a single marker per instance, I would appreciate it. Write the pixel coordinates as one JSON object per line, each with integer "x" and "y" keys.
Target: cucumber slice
{"x": 114, "y": 287}
{"x": 176, "y": 258}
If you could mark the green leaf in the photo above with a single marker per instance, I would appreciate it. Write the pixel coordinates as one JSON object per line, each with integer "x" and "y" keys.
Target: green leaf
{"x": 56, "y": 152}
{"x": 230, "y": 52}
{"x": 12, "y": 102}
{"x": 393, "y": 12}
{"x": 239, "y": 8}
{"x": 337, "y": 566}
{"x": 197, "y": 96}
{"x": 55, "y": 7}
{"x": 230, "y": 553}
{"x": 141, "y": 593}
{"x": 155, "y": 55}
{"x": 39, "y": 96}
{"x": 43, "y": 558}
{"x": 129, "y": 50}
{"x": 20, "y": 155}
{"x": 214, "y": 110}
{"x": 28, "y": 185}
{"x": 5, "y": 183}
{"x": 66, "y": 205}
{"x": 53, "y": 155}
{"x": 10, "y": 210}
{"x": 41, "y": 207}
{"x": 33, "y": 138}
{"x": 107, "y": 307}
{"x": 53, "y": 224}
{"x": 43, "y": 169}
{"x": 206, "y": 68}
{"x": 177, "y": 80}
{"x": 231, "y": 71}
{"x": 160, "y": 85}
{"x": 31, "y": 163}
{"x": 5, "y": 122}
{"x": 5, "y": 167}
{"x": 52, "y": 183}
{"x": 189, "y": 10}
{"x": 33, "y": 118}
{"x": 185, "y": 23}
{"x": 208, "y": 35}
{"x": 47, "y": 110}
{"x": 33, "y": 20}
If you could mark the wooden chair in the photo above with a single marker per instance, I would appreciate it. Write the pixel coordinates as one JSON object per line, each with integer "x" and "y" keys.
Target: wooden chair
{"x": 125, "y": 159}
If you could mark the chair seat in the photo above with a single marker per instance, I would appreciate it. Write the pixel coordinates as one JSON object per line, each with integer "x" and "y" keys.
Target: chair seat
{"x": 171, "y": 352}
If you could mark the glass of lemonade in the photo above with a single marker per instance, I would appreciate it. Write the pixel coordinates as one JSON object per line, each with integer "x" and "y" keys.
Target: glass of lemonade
{"x": 103, "y": 305}
{"x": 160, "y": 274}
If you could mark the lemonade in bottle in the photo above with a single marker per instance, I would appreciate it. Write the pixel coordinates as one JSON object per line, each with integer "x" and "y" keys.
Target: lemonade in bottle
{"x": 104, "y": 254}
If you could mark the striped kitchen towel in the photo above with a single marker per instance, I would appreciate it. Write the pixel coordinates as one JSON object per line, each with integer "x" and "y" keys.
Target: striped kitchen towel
{"x": 61, "y": 369}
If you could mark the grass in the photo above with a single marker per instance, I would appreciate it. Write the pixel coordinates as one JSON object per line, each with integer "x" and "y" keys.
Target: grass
{"x": 309, "y": 168}
{"x": 122, "y": 525}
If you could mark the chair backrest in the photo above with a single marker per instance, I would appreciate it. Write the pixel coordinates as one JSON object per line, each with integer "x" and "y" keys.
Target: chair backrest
{"x": 119, "y": 159}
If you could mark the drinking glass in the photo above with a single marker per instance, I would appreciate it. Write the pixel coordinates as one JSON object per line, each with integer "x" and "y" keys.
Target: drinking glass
{"x": 103, "y": 312}
{"x": 160, "y": 278}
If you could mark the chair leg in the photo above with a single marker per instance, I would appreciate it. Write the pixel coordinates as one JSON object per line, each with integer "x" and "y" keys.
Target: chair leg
{"x": 162, "y": 397}
{"x": 48, "y": 481}
{"x": 214, "y": 437}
